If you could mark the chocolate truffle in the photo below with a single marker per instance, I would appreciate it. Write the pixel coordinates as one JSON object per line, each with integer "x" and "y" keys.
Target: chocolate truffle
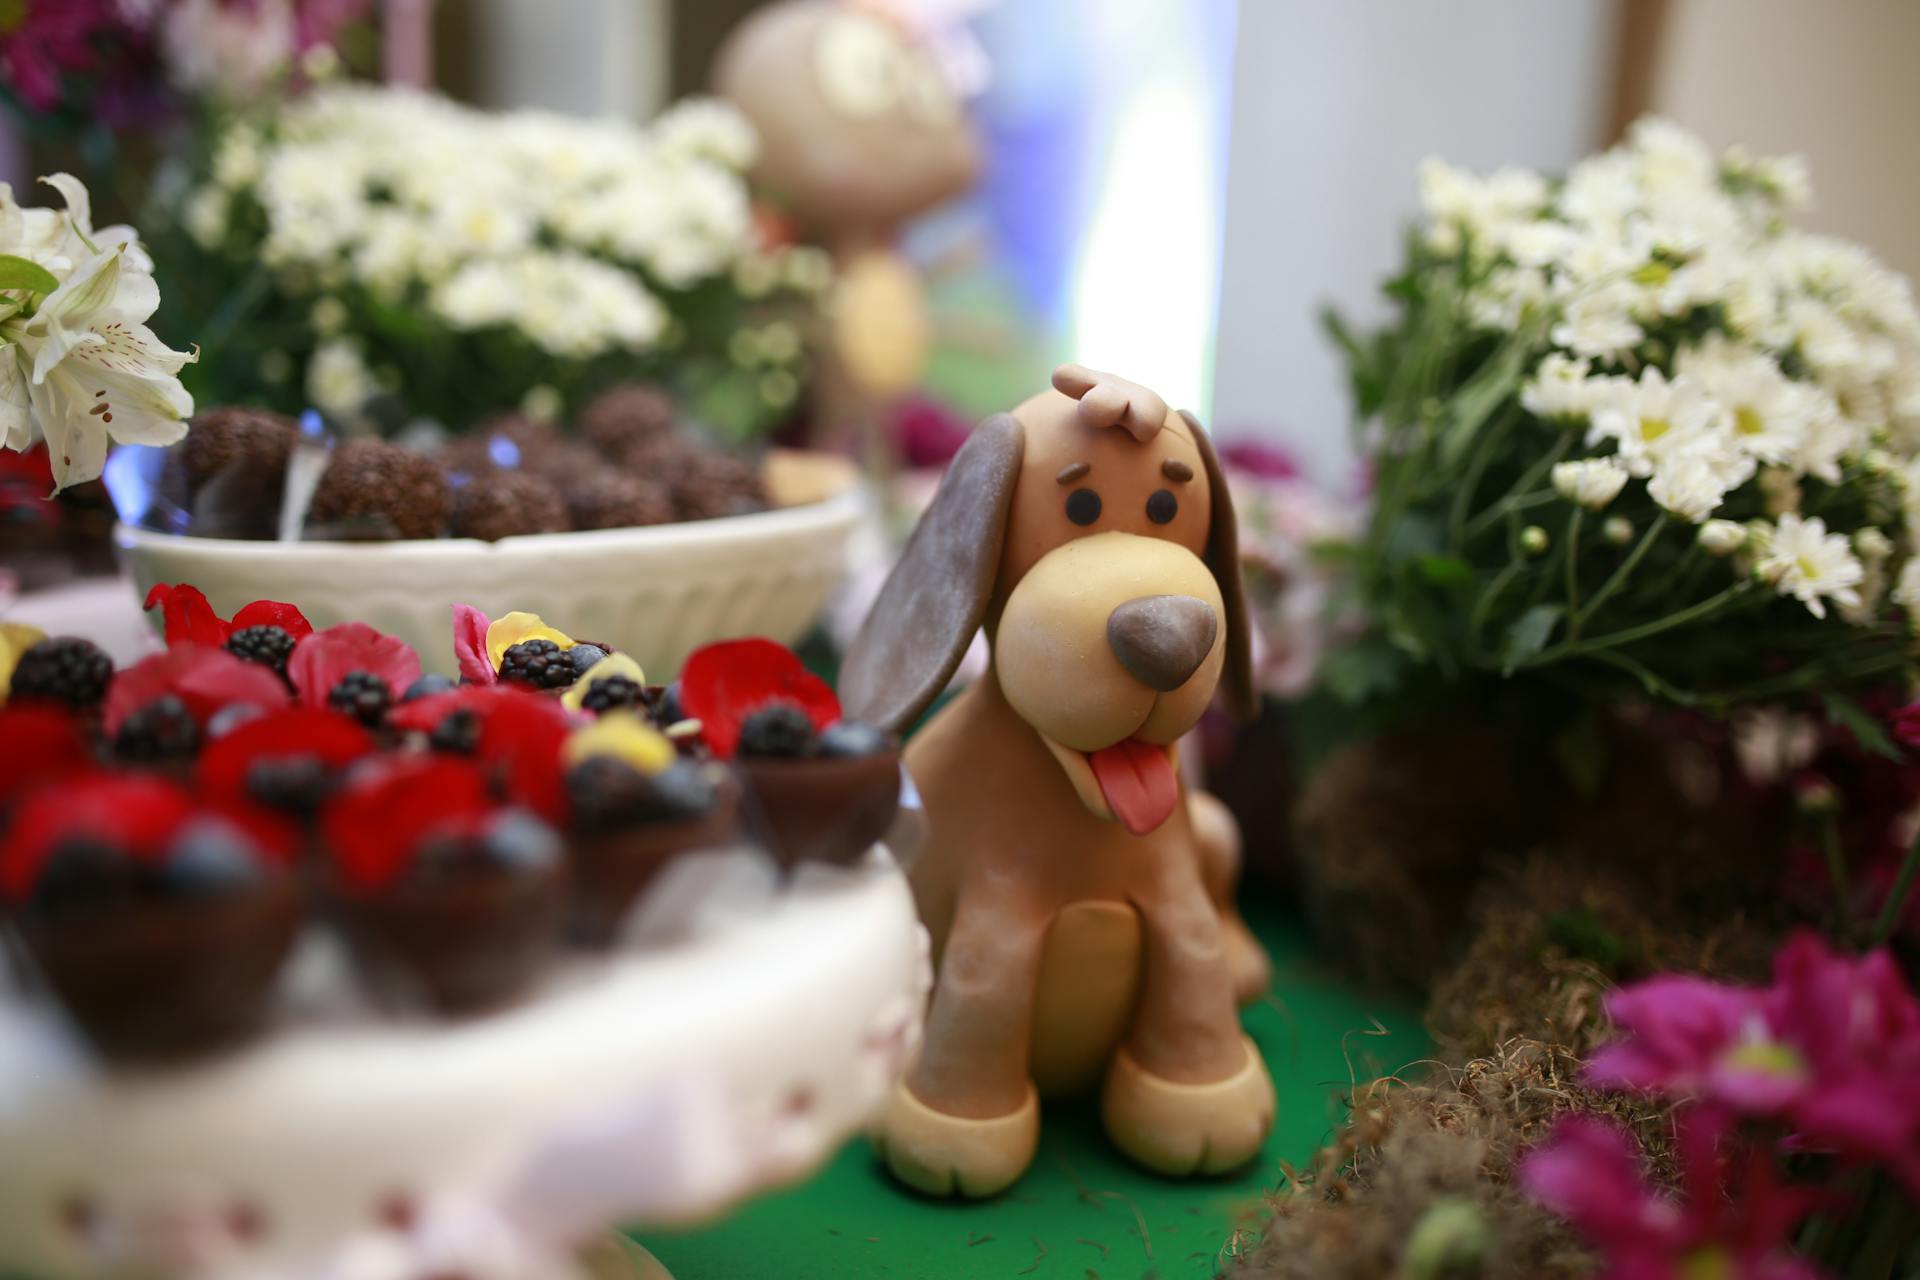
{"x": 374, "y": 481}
{"x": 624, "y": 417}
{"x": 718, "y": 484}
{"x": 504, "y": 504}
{"x": 238, "y": 438}
{"x": 611, "y": 500}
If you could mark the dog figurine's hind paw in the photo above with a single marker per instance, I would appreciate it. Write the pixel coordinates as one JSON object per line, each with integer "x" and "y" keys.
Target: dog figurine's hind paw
{"x": 1078, "y": 897}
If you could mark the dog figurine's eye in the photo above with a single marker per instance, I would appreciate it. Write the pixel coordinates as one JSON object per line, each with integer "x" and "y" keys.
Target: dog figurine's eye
{"x": 1083, "y": 506}
{"x": 1162, "y": 506}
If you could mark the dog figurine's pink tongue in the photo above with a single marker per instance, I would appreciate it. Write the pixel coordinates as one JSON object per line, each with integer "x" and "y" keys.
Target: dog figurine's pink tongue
{"x": 1137, "y": 781}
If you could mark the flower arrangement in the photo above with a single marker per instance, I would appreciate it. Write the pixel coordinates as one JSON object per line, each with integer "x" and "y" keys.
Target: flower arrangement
{"x": 360, "y": 246}
{"x": 1632, "y": 431}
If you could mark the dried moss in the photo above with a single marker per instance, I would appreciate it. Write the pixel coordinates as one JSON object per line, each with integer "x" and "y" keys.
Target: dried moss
{"x": 1418, "y": 1183}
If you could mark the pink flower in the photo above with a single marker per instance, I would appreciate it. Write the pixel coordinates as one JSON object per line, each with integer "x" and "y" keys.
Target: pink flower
{"x": 1831, "y": 1048}
{"x": 325, "y": 658}
{"x": 470, "y": 645}
{"x": 1905, "y": 725}
{"x": 1734, "y": 1220}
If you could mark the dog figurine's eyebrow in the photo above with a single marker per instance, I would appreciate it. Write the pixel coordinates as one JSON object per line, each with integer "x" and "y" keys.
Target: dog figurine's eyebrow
{"x": 1072, "y": 471}
{"x": 1176, "y": 471}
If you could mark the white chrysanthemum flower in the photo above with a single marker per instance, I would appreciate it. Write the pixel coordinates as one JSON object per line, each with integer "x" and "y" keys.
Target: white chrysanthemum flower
{"x": 1618, "y": 530}
{"x": 237, "y": 157}
{"x": 1906, "y": 590}
{"x": 1600, "y": 323}
{"x": 1560, "y": 388}
{"x": 1873, "y": 546}
{"x": 1590, "y": 482}
{"x": 1688, "y": 487}
{"x": 204, "y": 215}
{"x": 1655, "y": 419}
{"x": 1771, "y": 412}
{"x": 1813, "y": 566}
{"x": 1771, "y": 744}
{"x": 708, "y": 129}
{"x": 338, "y": 380}
{"x": 1722, "y": 537}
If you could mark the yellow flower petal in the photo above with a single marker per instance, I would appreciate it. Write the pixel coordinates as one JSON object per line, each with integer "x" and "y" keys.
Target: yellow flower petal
{"x": 622, "y": 735}
{"x": 510, "y": 629}
{"x": 614, "y": 664}
{"x": 15, "y": 639}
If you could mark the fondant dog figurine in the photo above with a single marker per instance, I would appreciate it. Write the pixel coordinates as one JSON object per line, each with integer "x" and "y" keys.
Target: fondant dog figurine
{"x": 1074, "y": 891}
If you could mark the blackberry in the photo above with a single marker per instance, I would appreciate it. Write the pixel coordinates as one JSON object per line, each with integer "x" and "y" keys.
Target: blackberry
{"x": 162, "y": 730}
{"x": 540, "y": 663}
{"x": 82, "y": 876}
{"x": 428, "y": 685}
{"x": 64, "y": 669}
{"x": 611, "y": 693}
{"x": 270, "y": 646}
{"x": 362, "y": 695}
{"x": 846, "y": 738}
{"x": 292, "y": 784}
{"x": 458, "y": 733}
{"x": 780, "y": 730}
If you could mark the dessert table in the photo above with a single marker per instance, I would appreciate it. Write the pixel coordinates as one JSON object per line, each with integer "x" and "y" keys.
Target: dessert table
{"x": 743, "y": 1030}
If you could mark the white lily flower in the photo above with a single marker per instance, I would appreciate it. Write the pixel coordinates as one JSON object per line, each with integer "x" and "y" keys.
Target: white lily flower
{"x": 91, "y": 370}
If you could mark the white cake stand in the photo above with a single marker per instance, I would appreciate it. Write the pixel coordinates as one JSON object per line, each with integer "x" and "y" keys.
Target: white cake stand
{"x": 659, "y": 1085}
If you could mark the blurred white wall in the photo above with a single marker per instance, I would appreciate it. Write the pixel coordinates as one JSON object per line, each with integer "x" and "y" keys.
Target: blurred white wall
{"x": 584, "y": 57}
{"x": 1334, "y": 107}
{"x": 1834, "y": 82}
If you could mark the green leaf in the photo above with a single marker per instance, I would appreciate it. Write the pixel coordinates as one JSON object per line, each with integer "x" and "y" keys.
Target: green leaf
{"x": 1361, "y": 670}
{"x": 1444, "y": 570}
{"x": 1865, "y": 729}
{"x": 23, "y": 273}
{"x": 1528, "y": 635}
{"x": 1580, "y": 749}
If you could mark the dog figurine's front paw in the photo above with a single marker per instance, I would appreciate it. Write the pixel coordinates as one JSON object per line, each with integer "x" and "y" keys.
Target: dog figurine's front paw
{"x": 945, "y": 1155}
{"x": 1183, "y": 1129}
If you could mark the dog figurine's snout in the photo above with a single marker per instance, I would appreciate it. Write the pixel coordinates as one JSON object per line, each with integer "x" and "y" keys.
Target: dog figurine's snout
{"x": 1162, "y": 640}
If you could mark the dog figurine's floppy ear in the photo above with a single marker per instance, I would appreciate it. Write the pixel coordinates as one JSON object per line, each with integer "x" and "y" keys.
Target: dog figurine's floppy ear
{"x": 938, "y": 594}
{"x": 1223, "y": 557}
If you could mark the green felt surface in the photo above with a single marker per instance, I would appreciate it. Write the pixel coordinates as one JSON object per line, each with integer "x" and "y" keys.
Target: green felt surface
{"x": 1082, "y": 1211}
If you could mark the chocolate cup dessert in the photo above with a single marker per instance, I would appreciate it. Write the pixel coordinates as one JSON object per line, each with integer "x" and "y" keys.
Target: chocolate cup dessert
{"x": 821, "y": 809}
{"x": 611, "y": 869}
{"x": 462, "y": 945}
{"x": 158, "y": 981}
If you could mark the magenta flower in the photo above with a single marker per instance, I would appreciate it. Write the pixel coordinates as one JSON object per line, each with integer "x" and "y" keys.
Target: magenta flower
{"x": 1831, "y": 1048}
{"x": 1733, "y": 1220}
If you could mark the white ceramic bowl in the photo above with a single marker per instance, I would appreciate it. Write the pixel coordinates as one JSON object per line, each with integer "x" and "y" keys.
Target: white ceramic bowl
{"x": 657, "y": 592}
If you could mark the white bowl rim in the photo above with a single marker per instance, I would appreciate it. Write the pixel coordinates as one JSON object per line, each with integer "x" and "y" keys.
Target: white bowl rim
{"x": 842, "y": 507}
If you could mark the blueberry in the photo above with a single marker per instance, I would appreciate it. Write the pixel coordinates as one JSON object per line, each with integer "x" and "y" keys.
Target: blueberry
{"x": 584, "y": 656}
{"x": 227, "y": 719}
{"x": 682, "y": 790}
{"x": 670, "y": 711}
{"x": 210, "y": 859}
{"x": 515, "y": 840}
{"x": 428, "y": 685}
{"x": 83, "y": 876}
{"x": 846, "y": 738}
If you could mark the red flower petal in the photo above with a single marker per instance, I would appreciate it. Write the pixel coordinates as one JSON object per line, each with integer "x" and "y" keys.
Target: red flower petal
{"x": 375, "y": 825}
{"x": 188, "y": 617}
{"x": 521, "y": 739}
{"x": 37, "y": 745}
{"x": 325, "y": 658}
{"x": 334, "y": 739}
{"x": 272, "y": 613}
{"x": 470, "y": 644}
{"x": 205, "y": 679}
{"x": 137, "y": 812}
{"x": 423, "y": 715}
{"x": 722, "y": 684}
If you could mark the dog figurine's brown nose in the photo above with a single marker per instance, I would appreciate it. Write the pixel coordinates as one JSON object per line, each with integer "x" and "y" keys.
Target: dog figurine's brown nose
{"x": 1162, "y": 640}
